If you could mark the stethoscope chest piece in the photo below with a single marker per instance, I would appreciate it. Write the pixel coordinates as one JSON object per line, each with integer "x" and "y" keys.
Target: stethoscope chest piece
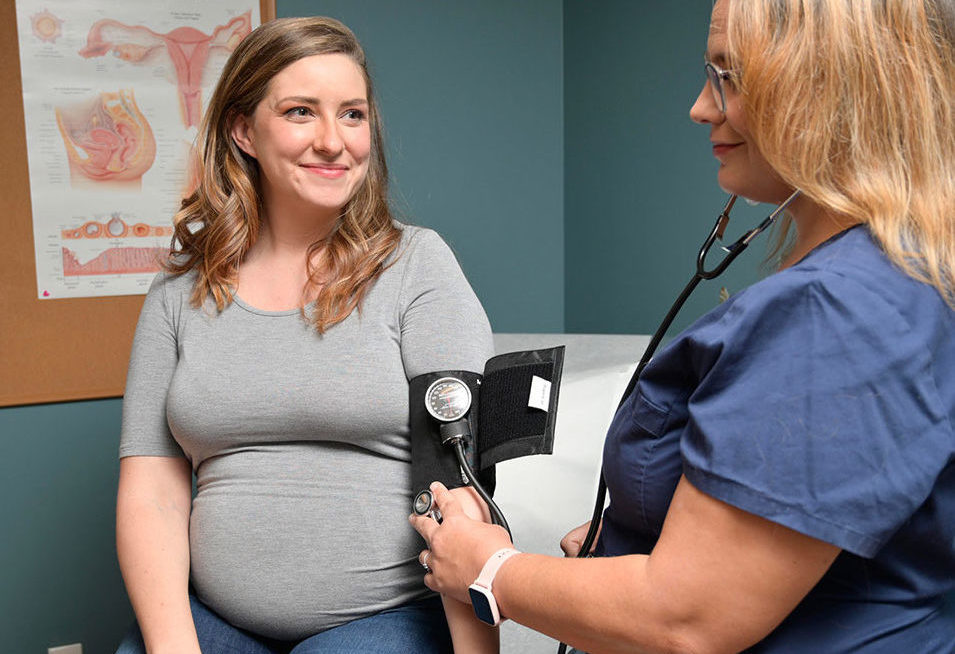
{"x": 424, "y": 505}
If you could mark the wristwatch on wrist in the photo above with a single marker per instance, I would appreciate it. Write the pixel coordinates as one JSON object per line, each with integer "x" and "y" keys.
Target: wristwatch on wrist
{"x": 482, "y": 599}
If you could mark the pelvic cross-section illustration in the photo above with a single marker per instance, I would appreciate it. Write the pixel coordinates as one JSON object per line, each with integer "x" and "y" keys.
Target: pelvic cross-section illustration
{"x": 186, "y": 47}
{"x": 107, "y": 139}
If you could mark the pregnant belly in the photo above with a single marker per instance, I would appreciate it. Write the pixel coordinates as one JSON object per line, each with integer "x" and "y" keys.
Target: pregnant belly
{"x": 287, "y": 558}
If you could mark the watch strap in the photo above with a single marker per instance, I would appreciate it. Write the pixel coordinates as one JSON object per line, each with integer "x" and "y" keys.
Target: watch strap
{"x": 493, "y": 564}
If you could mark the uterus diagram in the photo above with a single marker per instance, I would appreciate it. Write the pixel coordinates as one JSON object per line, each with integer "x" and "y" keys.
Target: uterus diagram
{"x": 108, "y": 140}
{"x": 187, "y": 48}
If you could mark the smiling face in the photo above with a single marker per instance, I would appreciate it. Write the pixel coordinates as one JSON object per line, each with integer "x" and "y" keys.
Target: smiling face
{"x": 311, "y": 137}
{"x": 743, "y": 170}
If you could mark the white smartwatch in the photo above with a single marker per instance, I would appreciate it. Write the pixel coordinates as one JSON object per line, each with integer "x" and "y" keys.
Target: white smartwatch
{"x": 482, "y": 599}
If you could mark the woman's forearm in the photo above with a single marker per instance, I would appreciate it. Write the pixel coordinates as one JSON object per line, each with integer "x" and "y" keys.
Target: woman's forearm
{"x": 719, "y": 579}
{"x": 594, "y": 604}
{"x": 152, "y": 543}
{"x": 469, "y": 635}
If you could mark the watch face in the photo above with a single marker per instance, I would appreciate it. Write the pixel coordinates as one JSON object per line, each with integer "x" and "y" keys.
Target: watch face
{"x": 485, "y": 608}
{"x": 448, "y": 399}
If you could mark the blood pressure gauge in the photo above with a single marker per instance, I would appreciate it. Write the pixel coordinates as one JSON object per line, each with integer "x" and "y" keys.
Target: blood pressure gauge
{"x": 448, "y": 399}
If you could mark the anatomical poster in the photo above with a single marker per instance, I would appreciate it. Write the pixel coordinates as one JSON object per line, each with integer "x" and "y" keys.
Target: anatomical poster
{"x": 113, "y": 95}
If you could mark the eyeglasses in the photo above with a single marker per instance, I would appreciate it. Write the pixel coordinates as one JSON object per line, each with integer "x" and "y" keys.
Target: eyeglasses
{"x": 716, "y": 76}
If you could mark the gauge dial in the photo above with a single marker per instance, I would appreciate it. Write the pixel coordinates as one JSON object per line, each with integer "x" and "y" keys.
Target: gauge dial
{"x": 448, "y": 399}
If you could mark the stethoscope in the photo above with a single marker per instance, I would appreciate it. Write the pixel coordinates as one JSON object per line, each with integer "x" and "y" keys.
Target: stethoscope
{"x": 732, "y": 251}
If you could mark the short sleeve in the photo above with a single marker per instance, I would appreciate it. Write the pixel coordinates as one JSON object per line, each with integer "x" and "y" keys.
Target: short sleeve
{"x": 152, "y": 363}
{"x": 817, "y": 410}
{"x": 443, "y": 325}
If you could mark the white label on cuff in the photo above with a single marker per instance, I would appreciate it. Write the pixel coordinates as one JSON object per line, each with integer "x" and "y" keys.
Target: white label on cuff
{"x": 540, "y": 394}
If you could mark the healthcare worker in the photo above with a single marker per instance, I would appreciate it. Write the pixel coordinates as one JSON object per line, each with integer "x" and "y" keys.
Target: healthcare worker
{"x": 782, "y": 478}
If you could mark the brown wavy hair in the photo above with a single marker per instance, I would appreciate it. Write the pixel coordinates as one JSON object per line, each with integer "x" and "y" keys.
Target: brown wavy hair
{"x": 853, "y": 102}
{"x": 220, "y": 219}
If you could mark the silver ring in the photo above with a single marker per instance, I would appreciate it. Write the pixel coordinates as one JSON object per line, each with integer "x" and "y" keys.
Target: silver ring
{"x": 424, "y": 564}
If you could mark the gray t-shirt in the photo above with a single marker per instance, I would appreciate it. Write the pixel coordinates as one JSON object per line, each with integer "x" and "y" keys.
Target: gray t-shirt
{"x": 299, "y": 441}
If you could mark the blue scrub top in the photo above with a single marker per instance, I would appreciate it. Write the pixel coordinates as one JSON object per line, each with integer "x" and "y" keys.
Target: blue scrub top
{"x": 821, "y": 398}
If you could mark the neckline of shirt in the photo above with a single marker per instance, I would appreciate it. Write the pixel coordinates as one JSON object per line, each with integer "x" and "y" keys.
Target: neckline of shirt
{"x": 829, "y": 241}
{"x": 273, "y": 314}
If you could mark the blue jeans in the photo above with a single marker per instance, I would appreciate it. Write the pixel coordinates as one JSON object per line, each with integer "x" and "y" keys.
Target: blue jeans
{"x": 418, "y": 627}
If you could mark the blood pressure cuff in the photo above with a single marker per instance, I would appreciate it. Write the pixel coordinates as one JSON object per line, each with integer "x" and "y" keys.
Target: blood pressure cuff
{"x": 513, "y": 414}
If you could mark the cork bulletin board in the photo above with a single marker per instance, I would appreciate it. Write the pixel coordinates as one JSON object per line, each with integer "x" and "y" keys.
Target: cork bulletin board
{"x": 61, "y": 349}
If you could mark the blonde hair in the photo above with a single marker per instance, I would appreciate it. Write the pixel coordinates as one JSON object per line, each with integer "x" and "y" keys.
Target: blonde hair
{"x": 219, "y": 221}
{"x": 853, "y": 102}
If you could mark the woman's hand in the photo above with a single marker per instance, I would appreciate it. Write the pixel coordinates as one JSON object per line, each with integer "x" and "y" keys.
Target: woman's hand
{"x": 572, "y": 542}
{"x": 458, "y": 547}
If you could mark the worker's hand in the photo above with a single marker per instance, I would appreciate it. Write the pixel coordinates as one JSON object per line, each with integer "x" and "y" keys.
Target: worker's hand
{"x": 456, "y": 549}
{"x": 572, "y": 542}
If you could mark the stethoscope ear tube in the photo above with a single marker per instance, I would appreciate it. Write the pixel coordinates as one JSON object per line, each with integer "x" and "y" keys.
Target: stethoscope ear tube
{"x": 734, "y": 250}
{"x": 716, "y": 234}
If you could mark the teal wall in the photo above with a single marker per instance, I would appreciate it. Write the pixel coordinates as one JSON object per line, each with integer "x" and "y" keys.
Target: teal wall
{"x": 547, "y": 141}
{"x": 59, "y": 582}
{"x": 640, "y": 180}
